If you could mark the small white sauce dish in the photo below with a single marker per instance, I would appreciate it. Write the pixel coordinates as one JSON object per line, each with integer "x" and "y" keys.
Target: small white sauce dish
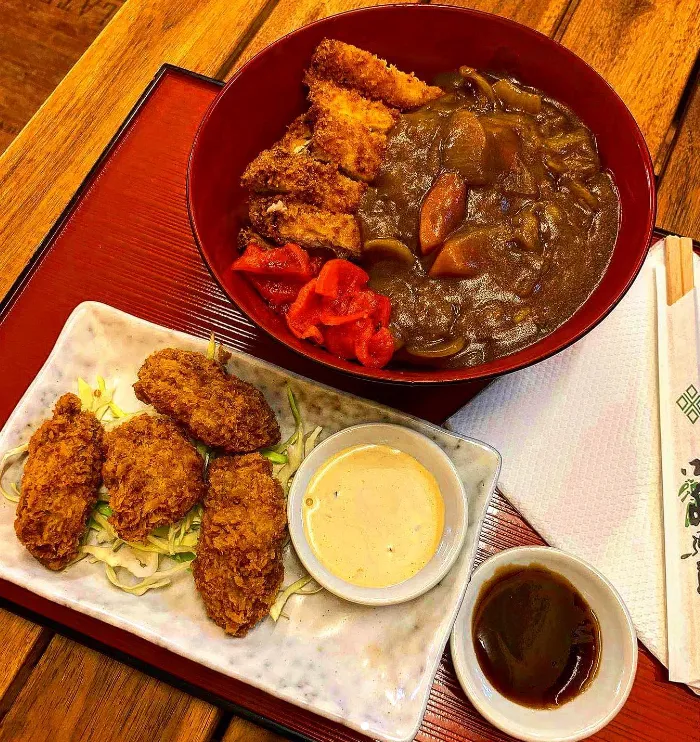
{"x": 606, "y": 693}
{"x": 435, "y": 460}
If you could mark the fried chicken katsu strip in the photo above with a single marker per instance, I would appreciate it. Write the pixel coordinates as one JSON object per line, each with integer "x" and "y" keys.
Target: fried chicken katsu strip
{"x": 327, "y": 97}
{"x": 60, "y": 482}
{"x": 347, "y": 65}
{"x": 216, "y": 408}
{"x": 354, "y": 99}
{"x": 357, "y": 150}
{"x": 303, "y": 177}
{"x": 153, "y": 474}
{"x": 297, "y": 136}
{"x": 283, "y": 220}
{"x": 238, "y": 569}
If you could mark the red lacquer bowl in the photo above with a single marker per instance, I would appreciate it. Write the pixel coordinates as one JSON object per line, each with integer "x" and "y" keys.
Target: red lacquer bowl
{"x": 256, "y": 105}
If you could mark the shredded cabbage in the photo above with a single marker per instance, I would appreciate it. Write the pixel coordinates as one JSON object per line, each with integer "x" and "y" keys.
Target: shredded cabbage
{"x": 157, "y": 579}
{"x": 99, "y": 401}
{"x": 296, "y": 588}
{"x": 5, "y": 463}
{"x": 296, "y": 448}
{"x": 293, "y": 447}
{"x": 211, "y": 348}
{"x": 139, "y": 563}
{"x": 274, "y": 456}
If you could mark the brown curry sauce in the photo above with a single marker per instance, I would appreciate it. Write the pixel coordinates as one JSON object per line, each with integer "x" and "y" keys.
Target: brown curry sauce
{"x": 526, "y": 250}
{"x": 536, "y": 639}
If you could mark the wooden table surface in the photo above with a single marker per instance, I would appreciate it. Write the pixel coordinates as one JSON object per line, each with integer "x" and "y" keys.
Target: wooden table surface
{"x": 58, "y": 110}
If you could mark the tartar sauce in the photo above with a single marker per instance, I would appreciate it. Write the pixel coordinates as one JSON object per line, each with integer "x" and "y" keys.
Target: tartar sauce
{"x": 373, "y": 515}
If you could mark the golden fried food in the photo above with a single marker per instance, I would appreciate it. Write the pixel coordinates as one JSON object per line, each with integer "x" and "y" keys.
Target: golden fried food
{"x": 347, "y": 65}
{"x": 60, "y": 482}
{"x": 248, "y": 235}
{"x": 357, "y": 150}
{"x": 153, "y": 474}
{"x": 306, "y": 179}
{"x": 327, "y": 97}
{"x": 283, "y": 220}
{"x": 214, "y": 407}
{"x": 238, "y": 570}
{"x": 297, "y": 135}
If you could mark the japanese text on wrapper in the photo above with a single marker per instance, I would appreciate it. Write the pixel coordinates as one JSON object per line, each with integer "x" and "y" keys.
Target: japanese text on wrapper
{"x": 689, "y": 493}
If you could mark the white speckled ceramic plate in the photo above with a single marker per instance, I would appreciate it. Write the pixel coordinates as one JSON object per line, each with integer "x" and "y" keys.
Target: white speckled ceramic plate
{"x": 368, "y": 668}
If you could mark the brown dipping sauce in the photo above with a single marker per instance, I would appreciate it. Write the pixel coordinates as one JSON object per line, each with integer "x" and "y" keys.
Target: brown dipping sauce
{"x": 536, "y": 639}
{"x": 533, "y": 242}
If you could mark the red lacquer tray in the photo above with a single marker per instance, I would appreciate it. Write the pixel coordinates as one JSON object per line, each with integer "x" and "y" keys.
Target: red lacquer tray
{"x": 125, "y": 240}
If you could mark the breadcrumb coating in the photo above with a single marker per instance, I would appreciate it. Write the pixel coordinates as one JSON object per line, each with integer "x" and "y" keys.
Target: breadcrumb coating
{"x": 153, "y": 474}
{"x": 326, "y": 96}
{"x": 357, "y": 150}
{"x": 214, "y": 407}
{"x": 371, "y": 76}
{"x": 59, "y": 485}
{"x": 238, "y": 569}
{"x": 282, "y": 219}
{"x": 305, "y": 178}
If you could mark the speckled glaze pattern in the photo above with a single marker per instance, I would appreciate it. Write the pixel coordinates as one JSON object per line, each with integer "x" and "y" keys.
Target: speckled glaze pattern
{"x": 368, "y": 668}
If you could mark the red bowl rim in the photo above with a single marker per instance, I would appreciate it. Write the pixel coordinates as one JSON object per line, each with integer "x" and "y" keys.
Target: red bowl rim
{"x": 419, "y": 375}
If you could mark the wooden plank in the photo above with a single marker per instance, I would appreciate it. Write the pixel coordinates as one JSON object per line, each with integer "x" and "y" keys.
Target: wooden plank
{"x": 40, "y": 41}
{"x": 679, "y": 194}
{"x": 644, "y": 49}
{"x": 288, "y": 15}
{"x": 542, "y": 15}
{"x": 21, "y": 646}
{"x": 44, "y": 165}
{"x": 78, "y": 694}
{"x": 240, "y": 730}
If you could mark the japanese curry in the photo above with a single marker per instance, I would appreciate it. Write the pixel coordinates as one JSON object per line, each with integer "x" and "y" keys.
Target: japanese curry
{"x": 489, "y": 223}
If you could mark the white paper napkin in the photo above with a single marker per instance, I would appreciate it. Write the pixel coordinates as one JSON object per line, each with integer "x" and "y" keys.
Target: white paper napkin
{"x": 579, "y": 436}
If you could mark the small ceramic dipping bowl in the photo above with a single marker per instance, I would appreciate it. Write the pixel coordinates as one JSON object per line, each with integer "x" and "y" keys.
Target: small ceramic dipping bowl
{"x": 606, "y": 693}
{"x": 435, "y": 460}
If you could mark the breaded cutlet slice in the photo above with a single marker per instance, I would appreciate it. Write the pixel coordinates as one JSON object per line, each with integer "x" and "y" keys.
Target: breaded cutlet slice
{"x": 59, "y": 483}
{"x": 328, "y": 97}
{"x": 356, "y": 149}
{"x": 282, "y": 219}
{"x": 297, "y": 136}
{"x": 238, "y": 570}
{"x": 153, "y": 474}
{"x": 248, "y": 235}
{"x": 214, "y": 407}
{"x": 307, "y": 179}
{"x": 371, "y": 76}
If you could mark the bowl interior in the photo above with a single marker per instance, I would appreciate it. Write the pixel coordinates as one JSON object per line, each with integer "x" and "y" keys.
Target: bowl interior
{"x": 607, "y": 692}
{"x": 435, "y": 460}
{"x": 255, "y": 107}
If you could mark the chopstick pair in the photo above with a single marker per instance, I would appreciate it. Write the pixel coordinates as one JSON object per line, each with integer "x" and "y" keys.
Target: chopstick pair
{"x": 679, "y": 414}
{"x": 679, "y": 268}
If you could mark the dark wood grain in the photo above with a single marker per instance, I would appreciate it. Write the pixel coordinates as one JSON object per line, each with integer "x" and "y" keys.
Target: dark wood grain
{"x": 679, "y": 194}
{"x": 288, "y": 15}
{"x": 40, "y": 41}
{"x": 542, "y": 15}
{"x": 77, "y": 694}
{"x": 240, "y": 730}
{"x": 21, "y": 646}
{"x": 644, "y": 48}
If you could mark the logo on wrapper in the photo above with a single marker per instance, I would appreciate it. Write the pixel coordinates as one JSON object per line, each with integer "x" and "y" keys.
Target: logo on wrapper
{"x": 689, "y": 402}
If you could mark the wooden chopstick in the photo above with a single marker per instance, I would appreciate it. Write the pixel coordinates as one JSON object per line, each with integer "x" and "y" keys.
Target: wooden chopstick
{"x": 679, "y": 268}
{"x": 687, "y": 264}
